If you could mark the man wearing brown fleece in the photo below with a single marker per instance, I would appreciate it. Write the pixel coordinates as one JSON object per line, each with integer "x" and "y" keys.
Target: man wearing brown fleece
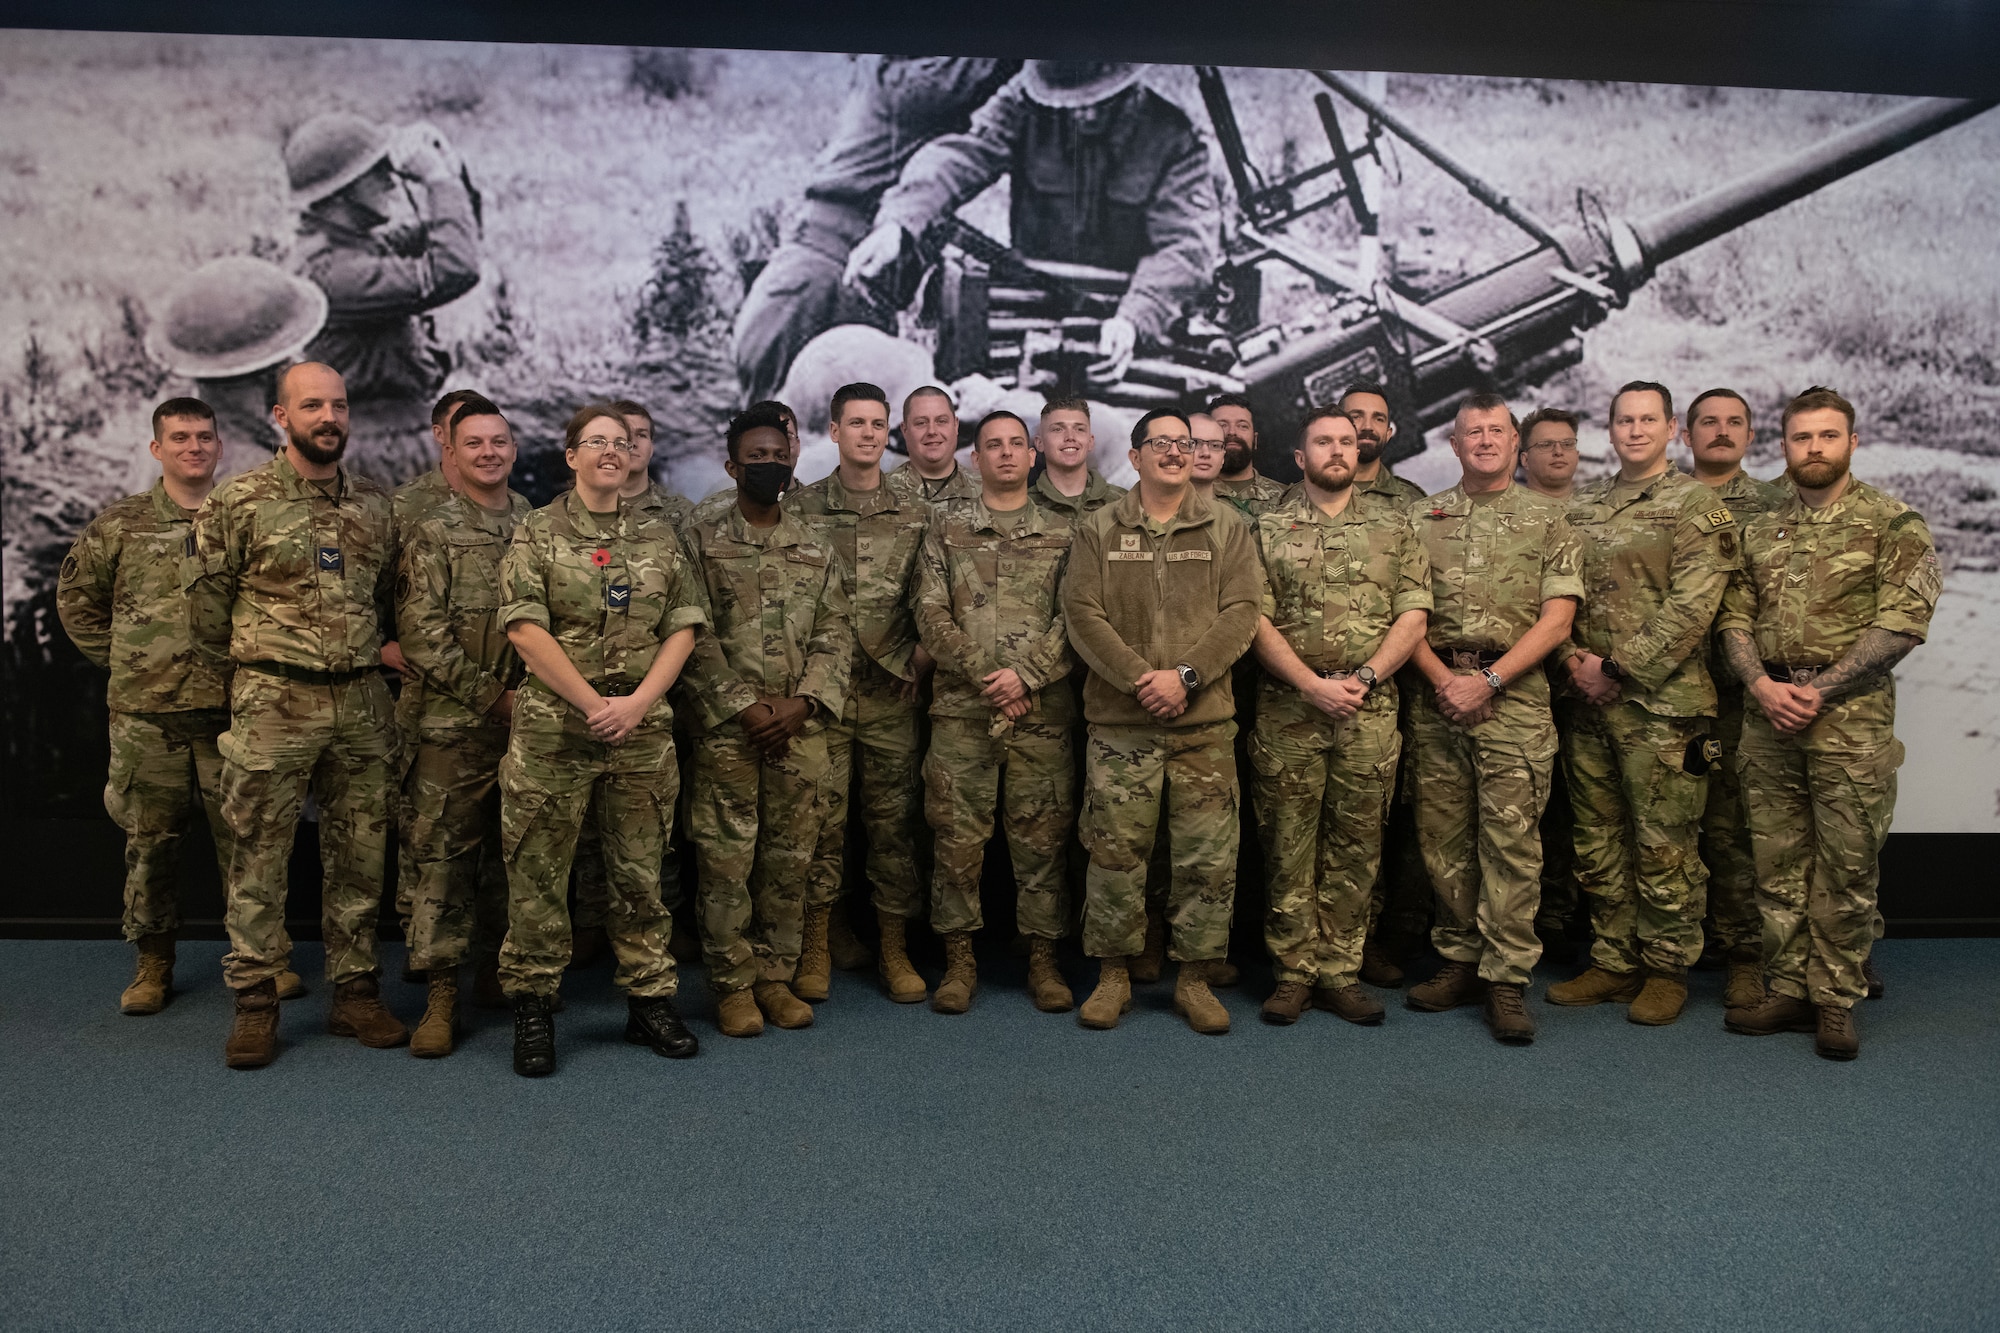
{"x": 1161, "y": 598}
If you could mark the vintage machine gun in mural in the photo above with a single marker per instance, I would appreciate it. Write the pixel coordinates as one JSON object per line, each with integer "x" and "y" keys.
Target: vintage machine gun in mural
{"x": 1033, "y": 324}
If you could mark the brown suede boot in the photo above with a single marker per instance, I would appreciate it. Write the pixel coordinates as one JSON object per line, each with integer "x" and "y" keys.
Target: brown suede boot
{"x": 893, "y": 964}
{"x": 813, "y": 979}
{"x": 737, "y": 1015}
{"x": 961, "y": 975}
{"x": 1778, "y": 1013}
{"x": 1112, "y": 998}
{"x": 1836, "y": 1037}
{"x": 253, "y": 1032}
{"x": 780, "y": 1006}
{"x": 1507, "y": 1016}
{"x": 848, "y": 951}
{"x": 290, "y": 986}
{"x": 1287, "y": 1002}
{"x": 1349, "y": 1002}
{"x": 1195, "y": 1002}
{"x": 1744, "y": 988}
{"x": 1378, "y": 968}
{"x": 152, "y": 978}
{"x": 357, "y": 1012}
{"x": 1151, "y": 960}
{"x": 1454, "y": 984}
{"x": 1594, "y": 985}
{"x": 1660, "y": 1001}
{"x": 1045, "y": 980}
{"x": 439, "y": 1025}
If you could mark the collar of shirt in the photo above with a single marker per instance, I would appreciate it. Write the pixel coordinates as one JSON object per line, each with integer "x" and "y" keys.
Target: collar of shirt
{"x": 1195, "y": 511}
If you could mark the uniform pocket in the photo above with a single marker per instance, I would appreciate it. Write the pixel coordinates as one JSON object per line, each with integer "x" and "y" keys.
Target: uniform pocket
{"x": 522, "y": 801}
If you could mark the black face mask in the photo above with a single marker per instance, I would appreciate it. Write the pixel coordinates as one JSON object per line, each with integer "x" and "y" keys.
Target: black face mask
{"x": 763, "y": 483}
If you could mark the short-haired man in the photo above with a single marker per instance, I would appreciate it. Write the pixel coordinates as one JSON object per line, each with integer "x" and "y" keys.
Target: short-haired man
{"x": 1657, "y": 549}
{"x": 1504, "y": 586}
{"x": 1239, "y": 482}
{"x": 718, "y": 504}
{"x": 1209, "y": 450}
{"x": 640, "y": 485}
{"x": 1161, "y": 599}
{"x": 767, "y": 684}
{"x": 289, "y": 590}
{"x": 1718, "y": 432}
{"x": 1367, "y": 406}
{"x": 1068, "y": 481}
{"x": 461, "y": 693}
{"x": 1002, "y": 711}
{"x": 1837, "y": 586}
{"x": 930, "y": 433}
{"x": 1549, "y": 452}
{"x": 119, "y": 596}
{"x": 1346, "y": 598}
{"x": 874, "y": 746}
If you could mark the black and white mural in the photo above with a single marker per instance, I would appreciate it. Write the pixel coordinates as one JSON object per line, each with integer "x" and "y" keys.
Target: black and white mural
{"x": 696, "y": 229}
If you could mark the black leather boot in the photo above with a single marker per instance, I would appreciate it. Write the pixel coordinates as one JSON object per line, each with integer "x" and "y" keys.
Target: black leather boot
{"x": 656, "y": 1023}
{"x": 534, "y": 1037}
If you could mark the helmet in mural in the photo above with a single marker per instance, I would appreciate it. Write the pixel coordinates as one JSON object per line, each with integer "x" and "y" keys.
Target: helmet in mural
{"x": 330, "y": 152}
{"x": 1076, "y": 83}
{"x": 236, "y": 316}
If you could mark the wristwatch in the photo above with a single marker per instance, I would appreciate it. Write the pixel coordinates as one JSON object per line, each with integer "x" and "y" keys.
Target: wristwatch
{"x": 1366, "y": 675}
{"x": 1494, "y": 680}
{"x": 1190, "y": 678}
{"x": 1611, "y": 670}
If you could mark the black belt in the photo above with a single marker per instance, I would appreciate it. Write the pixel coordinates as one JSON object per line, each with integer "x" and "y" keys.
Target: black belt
{"x": 306, "y": 675}
{"x": 1469, "y": 659}
{"x": 1795, "y": 675}
{"x": 616, "y": 689}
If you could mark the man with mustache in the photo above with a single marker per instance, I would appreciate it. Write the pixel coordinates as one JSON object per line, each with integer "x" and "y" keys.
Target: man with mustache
{"x": 1239, "y": 482}
{"x": 289, "y": 594}
{"x": 1837, "y": 585}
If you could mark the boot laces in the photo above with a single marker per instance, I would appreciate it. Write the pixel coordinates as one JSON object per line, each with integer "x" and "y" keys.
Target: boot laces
{"x": 534, "y": 1026}
{"x": 1837, "y": 1019}
{"x": 1507, "y": 1001}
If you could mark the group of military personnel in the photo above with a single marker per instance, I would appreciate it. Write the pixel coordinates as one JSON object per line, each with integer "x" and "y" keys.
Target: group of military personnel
{"x": 950, "y": 646}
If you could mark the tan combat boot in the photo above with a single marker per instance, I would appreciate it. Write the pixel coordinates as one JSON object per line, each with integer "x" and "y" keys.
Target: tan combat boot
{"x": 1660, "y": 1000}
{"x": 961, "y": 975}
{"x": 1453, "y": 985}
{"x": 253, "y": 1032}
{"x": 1045, "y": 980}
{"x": 357, "y": 1012}
{"x": 813, "y": 980}
{"x": 1112, "y": 998}
{"x": 1835, "y": 1036}
{"x": 737, "y": 1015}
{"x": 439, "y": 1025}
{"x": 153, "y": 977}
{"x": 1744, "y": 988}
{"x": 1594, "y": 985}
{"x": 780, "y": 1006}
{"x": 1195, "y": 1002}
{"x": 893, "y": 965}
{"x": 1286, "y": 1004}
{"x": 846, "y": 949}
{"x": 1778, "y": 1013}
{"x": 290, "y": 985}
{"x": 1151, "y": 960}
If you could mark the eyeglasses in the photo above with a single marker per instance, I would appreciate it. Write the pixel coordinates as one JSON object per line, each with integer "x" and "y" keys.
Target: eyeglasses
{"x": 1179, "y": 444}
{"x": 1569, "y": 443}
{"x": 597, "y": 443}
{"x": 1210, "y": 447}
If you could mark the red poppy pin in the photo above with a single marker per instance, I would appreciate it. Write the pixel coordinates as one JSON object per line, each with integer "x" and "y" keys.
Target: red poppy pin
{"x": 600, "y": 557}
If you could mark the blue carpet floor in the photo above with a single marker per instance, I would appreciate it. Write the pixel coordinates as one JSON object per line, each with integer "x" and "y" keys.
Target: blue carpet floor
{"x": 893, "y": 1169}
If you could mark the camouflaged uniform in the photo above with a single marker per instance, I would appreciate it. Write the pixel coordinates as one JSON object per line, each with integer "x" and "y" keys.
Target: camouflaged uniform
{"x": 663, "y": 504}
{"x": 1725, "y": 828}
{"x": 411, "y": 503}
{"x": 290, "y": 586}
{"x": 1333, "y": 587}
{"x": 1387, "y": 487}
{"x": 778, "y": 607}
{"x": 1657, "y": 554}
{"x": 1253, "y": 495}
{"x": 1820, "y": 802}
{"x": 448, "y": 619}
{"x": 611, "y": 589}
{"x": 911, "y": 484}
{"x": 119, "y": 596}
{"x": 987, "y": 598}
{"x": 1495, "y": 558}
{"x": 875, "y": 749}
{"x": 1141, "y": 596}
{"x": 1097, "y": 493}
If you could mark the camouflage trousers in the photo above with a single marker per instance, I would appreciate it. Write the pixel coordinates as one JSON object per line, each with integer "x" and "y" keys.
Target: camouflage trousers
{"x": 1399, "y": 903}
{"x": 554, "y": 774}
{"x": 873, "y": 757}
{"x": 593, "y": 895}
{"x": 402, "y": 815}
{"x": 1480, "y": 793}
{"x": 753, "y": 822}
{"x": 1725, "y": 840}
{"x": 1637, "y": 816}
{"x": 164, "y": 767}
{"x": 1322, "y": 790}
{"x": 286, "y": 738}
{"x": 459, "y": 900}
{"x": 1819, "y": 806}
{"x": 1027, "y": 772}
{"x": 1132, "y": 775}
